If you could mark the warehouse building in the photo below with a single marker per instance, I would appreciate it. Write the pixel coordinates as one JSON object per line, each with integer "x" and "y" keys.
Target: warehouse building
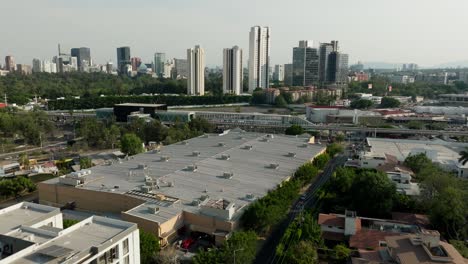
{"x": 202, "y": 184}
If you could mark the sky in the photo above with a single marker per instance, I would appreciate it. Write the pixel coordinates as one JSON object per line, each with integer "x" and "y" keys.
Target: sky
{"x": 427, "y": 32}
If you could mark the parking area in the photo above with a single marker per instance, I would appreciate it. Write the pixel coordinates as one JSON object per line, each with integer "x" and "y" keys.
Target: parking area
{"x": 187, "y": 245}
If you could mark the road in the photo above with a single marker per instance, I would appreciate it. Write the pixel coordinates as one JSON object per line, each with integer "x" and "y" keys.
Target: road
{"x": 267, "y": 254}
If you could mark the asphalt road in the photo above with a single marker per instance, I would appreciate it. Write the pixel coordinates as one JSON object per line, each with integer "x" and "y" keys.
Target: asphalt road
{"x": 267, "y": 254}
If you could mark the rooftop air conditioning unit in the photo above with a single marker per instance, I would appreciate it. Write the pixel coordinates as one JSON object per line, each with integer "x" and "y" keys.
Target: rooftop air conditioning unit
{"x": 228, "y": 175}
{"x": 221, "y": 144}
{"x": 305, "y": 145}
{"x": 225, "y": 156}
{"x": 270, "y": 136}
{"x": 192, "y": 167}
{"x": 153, "y": 209}
{"x": 249, "y": 196}
{"x": 204, "y": 197}
{"x": 274, "y": 166}
{"x": 196, "y": 202}
{"x": 248, "y": 147}
{"x": 184, "y": 143}
{"x": 142, "y": 166}
{"x": 146, "y": 189}
{"x": 292, "y": 154}
{"x": 265, "y": 139}
{"x": 164, "y": 158}
{"x": 196, "y": 153}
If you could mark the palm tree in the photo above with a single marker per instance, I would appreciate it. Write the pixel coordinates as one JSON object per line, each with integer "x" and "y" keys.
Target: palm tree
{"x": 463, "y": 156}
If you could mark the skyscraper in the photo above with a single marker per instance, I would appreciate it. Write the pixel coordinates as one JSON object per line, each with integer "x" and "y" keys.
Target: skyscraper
{"x": 325, "y": 50}
{"x": 159, "y": 60}
{"x": 135, "y": 62}
{"x": 123, "y": 58}
{"x": 196, "y": 72}
{"x": 337, "y": 68}
{"x": 259, "y": 58}
{"x": 83, "y": 57}
{"x": 37, "y": 65}
{"x": 305, "y": 64}
{"x": 232, "y": 70}
{"x": 288, "y": 74}
{"x": 279, "y": 73}
{"x": 181, "y": 69}
{"x": 10, "y": 63}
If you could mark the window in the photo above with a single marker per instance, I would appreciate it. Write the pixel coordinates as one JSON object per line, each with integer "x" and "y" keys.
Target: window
{"x": 127, "y": 259}
{"x": 125, "y": 246}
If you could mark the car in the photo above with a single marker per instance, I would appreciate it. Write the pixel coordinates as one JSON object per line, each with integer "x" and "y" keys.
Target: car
{"x": 303, "y": 197}
{"x": 187, "y": 243}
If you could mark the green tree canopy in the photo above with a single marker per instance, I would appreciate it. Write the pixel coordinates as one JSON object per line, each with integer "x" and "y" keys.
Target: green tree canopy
{"x": 149, "y": 246}
{"x": 389, "y": 102}
{"x": 361, "y": 104}
{"x": 85, "y": 163}
{"x": 417, "y": 162}
{"x": 294, "y": 130}
{"x": 131, "y": 144}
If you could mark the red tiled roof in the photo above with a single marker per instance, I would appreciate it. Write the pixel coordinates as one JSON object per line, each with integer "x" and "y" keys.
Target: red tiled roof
{"x": 364, "y": 239}
{"x": 412, "y": 219}
{"x": 331, "y": 220}
{"x": 3, "y": 105}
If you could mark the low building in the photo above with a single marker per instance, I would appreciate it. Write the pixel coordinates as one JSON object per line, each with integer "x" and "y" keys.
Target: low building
{"x": 337, "y": 114}
{"x": 122, "y": 111}
{"x": 402, "y": 177}
{"x": 33, "y": 233}
{"x": 202, "y": 184}
{"x": 8, "y": 169}
{"x": 444, "y": 153}
{"x": 454, "y": 99}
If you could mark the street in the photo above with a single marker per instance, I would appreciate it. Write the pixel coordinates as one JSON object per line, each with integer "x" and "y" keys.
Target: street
{"x": 267, "y": 254}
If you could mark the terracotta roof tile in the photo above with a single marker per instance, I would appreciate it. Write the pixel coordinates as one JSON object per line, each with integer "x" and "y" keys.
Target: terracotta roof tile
{"x": 331, "y": 220}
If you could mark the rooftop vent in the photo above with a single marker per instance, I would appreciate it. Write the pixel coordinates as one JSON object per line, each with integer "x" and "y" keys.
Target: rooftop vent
{"x": 146, "y": 189}
{"x": 192, "y": 167}
{"x": 273, "y": 166}
{"x": 204, "y": 197}
{"x": 270, "y": 136}
{"x": 249, "y": 196}
{"x": 196, "y": 153}
{"x": 156, "y": 151}
{"x": 142, "y": 166}
{"x": 165, "y": 158}
{"x": 153, "y": 209}
{"x": 195, "y": 202}
{"x": 292, "y": 154}
{"x": 265, "y": 140}
{"x": 228, "y": 175}
{"x": 248, "y": 147}
{"x": 171, "y": 184}
{"x": 221, "y": 144}
{"x": 225, "y": 157}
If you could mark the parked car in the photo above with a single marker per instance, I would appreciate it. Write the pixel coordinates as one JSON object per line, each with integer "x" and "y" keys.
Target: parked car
{"x": 187, "y": 243}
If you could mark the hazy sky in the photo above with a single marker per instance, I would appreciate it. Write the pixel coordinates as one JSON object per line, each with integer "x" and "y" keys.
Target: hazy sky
{"x": 426, "y": 32}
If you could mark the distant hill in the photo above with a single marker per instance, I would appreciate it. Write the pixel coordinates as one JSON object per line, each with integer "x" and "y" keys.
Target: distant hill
{"x": 381, "y": 65}
{"x": 455, "y": 64}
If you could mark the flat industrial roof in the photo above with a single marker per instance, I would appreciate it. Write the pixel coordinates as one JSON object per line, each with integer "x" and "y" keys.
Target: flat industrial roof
{"x": 250, "y": 168}
{"x": 443, "y": 152}
{"x": 76, "y": 241}
{"x": 24, "y": 214}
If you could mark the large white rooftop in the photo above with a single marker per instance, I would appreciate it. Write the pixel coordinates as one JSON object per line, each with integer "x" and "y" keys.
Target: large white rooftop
{"x": 257, "y": 162}
{"x": 24, "y": 214}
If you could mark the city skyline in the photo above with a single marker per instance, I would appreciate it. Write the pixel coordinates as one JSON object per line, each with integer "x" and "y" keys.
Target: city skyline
{"x": 365, "y": 29}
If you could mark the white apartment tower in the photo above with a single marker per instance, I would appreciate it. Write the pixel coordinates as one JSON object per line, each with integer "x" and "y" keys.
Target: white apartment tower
{"x": 232, "y": 71}
{"x": 259, "y": 57}
{"x": 196, "y": 72}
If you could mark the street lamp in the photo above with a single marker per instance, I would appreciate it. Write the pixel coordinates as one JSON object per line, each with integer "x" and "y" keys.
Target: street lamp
{"x": 240, "y": 249}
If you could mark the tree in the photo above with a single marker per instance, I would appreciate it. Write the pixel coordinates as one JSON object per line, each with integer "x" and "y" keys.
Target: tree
{"x": 339, "y": 137}
{"x": 131, "y": 144}
{"x": 85, "y": 163}
{"x": 280, "y": 101}
{"x": 69, "y": 222}
{"x": 415, "y": 125}
{"x": 294, "y": 130}
{"x": 321, "y": 160}
{"x": 334, "y": 148}
{"x": 361, "y": 104}
{"x": 389, "y": 102}
{"x": 24, "y": 160}
{"x": 244, "y": 244}
{"x": 303, "y": 252}
{"x": 449, "y": 213}
{"x": 463, "y": 156}
{"x": 417, "y": 162}
{"x": 149, "y": 246}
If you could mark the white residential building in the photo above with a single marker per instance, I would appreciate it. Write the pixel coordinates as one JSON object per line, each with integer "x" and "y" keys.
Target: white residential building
{"x": 196, "y": 73}
{"x": 168, "y": 68}
{"x": 279, "y": 73}
{"x": 33, "y": 233}
{"x": 232, "y": 71}
{"x": 259, "y": 58}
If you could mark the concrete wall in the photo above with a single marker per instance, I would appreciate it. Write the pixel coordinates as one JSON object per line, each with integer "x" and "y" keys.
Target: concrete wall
{"x": 86, "y": 200}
